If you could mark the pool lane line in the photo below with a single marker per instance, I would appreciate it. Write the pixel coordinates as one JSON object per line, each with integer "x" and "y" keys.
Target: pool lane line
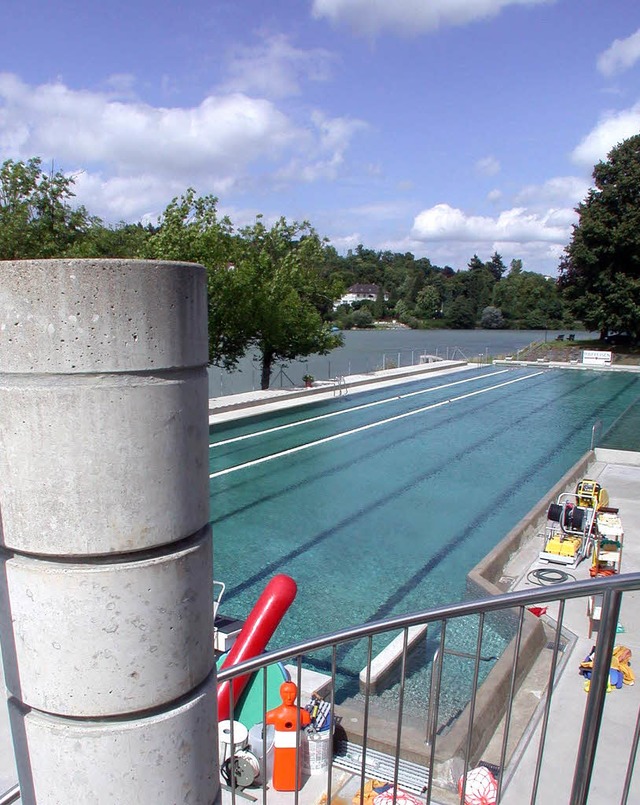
{"x": 360, "y": 407}
{"x": 280, "y": 564}
{"x": 343, "y": 465}
{"x": 371, "y": 425}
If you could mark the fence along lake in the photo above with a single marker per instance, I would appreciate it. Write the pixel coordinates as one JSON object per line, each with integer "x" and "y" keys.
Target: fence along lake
{"x": 368, "y": 350}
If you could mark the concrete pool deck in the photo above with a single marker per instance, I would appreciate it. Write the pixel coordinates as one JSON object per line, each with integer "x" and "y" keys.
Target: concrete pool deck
{"x": 622, "y": 480}
{"x": 237, "y": 406}
{"x": 620, "y": 475}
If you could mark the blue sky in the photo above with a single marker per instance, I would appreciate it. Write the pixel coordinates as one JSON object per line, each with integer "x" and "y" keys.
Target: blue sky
{"x": 441, "y": 127}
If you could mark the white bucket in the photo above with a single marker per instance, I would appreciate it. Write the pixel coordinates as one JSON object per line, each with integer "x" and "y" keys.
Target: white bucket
{"x": 315, "y": 752}
{"x": 257, "y": 746}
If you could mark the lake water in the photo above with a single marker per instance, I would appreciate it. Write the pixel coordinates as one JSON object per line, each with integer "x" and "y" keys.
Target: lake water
{"x": 368, "y": 350}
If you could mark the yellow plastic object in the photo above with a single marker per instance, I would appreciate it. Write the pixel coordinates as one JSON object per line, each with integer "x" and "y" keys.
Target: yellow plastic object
{"x": 569, "y": 546}
{"x": 591, "y": 495}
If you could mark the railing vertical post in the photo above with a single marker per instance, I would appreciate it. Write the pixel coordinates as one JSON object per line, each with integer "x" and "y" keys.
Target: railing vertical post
{"x": 434, "y": 699}
{"x": 631, "y": 764}
{"x": 547, "y": 706}
{"x": 595, "y": 701}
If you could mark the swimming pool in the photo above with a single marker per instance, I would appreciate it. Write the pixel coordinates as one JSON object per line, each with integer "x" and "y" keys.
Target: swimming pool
{"x": 381, "y": 502}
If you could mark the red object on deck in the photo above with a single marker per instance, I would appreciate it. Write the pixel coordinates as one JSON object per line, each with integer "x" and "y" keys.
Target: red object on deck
{"x": 262, "y": 622}
{"x": 287, "y": 720}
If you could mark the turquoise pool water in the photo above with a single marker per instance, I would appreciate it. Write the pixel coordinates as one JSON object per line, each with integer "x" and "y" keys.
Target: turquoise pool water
{"x": 380, "y": 503}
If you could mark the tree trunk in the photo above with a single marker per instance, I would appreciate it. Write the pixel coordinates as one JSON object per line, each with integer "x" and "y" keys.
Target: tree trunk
{"x": 267, "y": 361}
{"x": 604, "y": 333}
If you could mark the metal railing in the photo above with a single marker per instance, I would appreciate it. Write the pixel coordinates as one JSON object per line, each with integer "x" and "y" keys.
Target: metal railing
{"x": 10, "y": 795}
{"x": 515, "y": 603}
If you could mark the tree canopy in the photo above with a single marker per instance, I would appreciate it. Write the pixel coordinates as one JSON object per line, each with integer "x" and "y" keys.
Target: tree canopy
{"x": 600, "y": 270}
{"x": 265, "y": 288}
{"x": 36, "y": 220}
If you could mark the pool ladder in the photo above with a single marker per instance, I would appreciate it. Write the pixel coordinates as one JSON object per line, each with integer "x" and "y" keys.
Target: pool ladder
{"x": 340, "y": 386}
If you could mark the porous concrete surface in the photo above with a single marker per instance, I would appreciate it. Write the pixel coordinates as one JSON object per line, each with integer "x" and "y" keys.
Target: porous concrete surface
{"x": 106, "y": 604}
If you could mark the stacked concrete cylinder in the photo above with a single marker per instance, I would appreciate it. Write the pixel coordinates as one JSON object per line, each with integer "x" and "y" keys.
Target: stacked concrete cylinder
{"x": 106, "y": 587}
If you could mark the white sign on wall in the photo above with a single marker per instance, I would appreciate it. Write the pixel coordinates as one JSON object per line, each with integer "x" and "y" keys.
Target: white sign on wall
{"x": 596, "y": 357}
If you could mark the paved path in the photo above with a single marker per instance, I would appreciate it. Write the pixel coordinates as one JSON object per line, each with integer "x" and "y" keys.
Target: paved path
{"x": 569, "y": 698}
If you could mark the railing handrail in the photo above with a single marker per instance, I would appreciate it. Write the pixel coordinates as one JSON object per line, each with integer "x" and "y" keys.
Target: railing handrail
{"x": 515, "y": 598}
{"x": 10, "y": 795}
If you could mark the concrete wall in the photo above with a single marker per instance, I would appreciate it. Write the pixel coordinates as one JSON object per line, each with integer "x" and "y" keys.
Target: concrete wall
{"x": 106, "y": 557}
{"x": 485, "y": 576}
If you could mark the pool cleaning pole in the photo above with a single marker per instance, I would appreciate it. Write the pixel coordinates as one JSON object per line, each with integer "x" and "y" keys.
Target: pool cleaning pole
{"x": 106, "y": 587}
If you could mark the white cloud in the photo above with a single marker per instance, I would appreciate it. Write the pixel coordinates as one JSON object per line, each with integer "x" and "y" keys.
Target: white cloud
{"x": 135, "y": 157}
{"x": 494, "y": 195}
{"x": 335, "y": 132}
{"x": 487, "y": 166}
{"x": 275, "y": 68}
{"x": 620, "y": 55}
{"x": 345, "y": 242}
{"x": 559, "y": 191}
{"x": 536, "y": 256}
{"x": 382, "y": 211}
{"x": 517, "y": 225}
{"x": 332, "y": 136}
{"x": 613, "y": 128}
{"x": 130, "y": 198}
{"x": 408, "y": 17}
{"x": 121, "y": 85}
{"x": 223, "y": 133}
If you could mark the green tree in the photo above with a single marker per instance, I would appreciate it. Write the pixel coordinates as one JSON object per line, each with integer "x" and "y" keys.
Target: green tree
{"x": 515, "y": 266}
{"x": 266, "y": 289}
{"x": 496, "y": 266}
{"x": 279, "y": 267}
{"x": 429, "y": 302}
{"x": 461, "y": 314}
{"x": 491, "y": 318}
{"x": 478, "y": 283}
{"x": 190, "y": 230}
{"x": 600, "y": 270}
{"x": 528, "y": 300}
{"x": 121, "y": 240}
{"x": 36, "y": 220}
{"x": 379, "y": 307}
{"x": 475, "y": 264}
{"x": 361, "y": 318}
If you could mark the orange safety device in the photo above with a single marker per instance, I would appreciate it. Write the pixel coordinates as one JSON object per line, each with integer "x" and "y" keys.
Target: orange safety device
{"x": 287, "y": 719}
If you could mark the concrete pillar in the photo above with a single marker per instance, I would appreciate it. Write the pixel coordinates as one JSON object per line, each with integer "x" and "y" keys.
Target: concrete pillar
{"x": 106, "y": 558}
